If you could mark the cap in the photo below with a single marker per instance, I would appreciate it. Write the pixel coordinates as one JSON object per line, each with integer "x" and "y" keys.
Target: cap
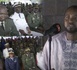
{"x": 27, "y": 49}
{"x": 17, "y": 4}
{"x": 6, "y": 44}
{"x": 10, "y": 50}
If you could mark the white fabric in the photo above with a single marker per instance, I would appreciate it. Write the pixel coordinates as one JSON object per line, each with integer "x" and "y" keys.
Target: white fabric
{"x": 63, "y": 54}
{"x": 5, "y": 53}
{"x": 40, "y": 60}
{"x": 21, "y": 1}
{"x": 36, "y": 33}
{"x": 20, "y": 23}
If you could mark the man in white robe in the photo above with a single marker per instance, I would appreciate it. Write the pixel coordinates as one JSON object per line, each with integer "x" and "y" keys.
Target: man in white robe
{"x": 63, "y": 46}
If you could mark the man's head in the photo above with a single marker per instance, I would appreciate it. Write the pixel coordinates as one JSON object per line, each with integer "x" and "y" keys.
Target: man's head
{"x": 27, "y": 50}
{"x": 17, "y": 8}
{"x": 36, "y": 9}
{"x": 7, "y": 45}
{"x": 11, "y": 52}
{"x": 3, "y": 13}
{"x": 70, "y": 20}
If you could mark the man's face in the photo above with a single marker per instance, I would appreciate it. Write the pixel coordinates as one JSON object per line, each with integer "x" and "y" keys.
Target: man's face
{"x": 3, "y": 14}
{"x": 70, "y": 21}
{"x": 36, "y": 10}
{"x": 18, "y": 9}
{"x": 11, "y": 55}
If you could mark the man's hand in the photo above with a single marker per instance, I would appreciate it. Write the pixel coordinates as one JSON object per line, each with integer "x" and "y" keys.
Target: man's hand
{"x": 22, "y": 32}
{"x": 28, "y": 29}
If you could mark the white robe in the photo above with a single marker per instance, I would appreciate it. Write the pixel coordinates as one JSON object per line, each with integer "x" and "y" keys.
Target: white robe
{"x": 63, "y": 54}
{"x": 20, "y": 22}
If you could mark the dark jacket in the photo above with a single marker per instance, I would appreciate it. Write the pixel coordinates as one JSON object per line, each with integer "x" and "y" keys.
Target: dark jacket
{"x": 12, "y": 64}
{"x": 10, "y": 29}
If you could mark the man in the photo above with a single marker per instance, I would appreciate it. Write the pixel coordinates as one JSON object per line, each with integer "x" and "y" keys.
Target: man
{"x": 7, "y": 27}
{"x": 5, "y": 51}
{"x": 28, "y": 60}
{"x": 35, "y": 19}
{"x": 63, "y": 46}
{"x": 12, "y": 62}
{"x": 20, "y": 21}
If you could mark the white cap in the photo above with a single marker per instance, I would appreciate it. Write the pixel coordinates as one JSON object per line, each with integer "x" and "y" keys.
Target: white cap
{"x": 16, "y": 4}
{"x": 6, "y": 44}
{"x": 10, "y": 50}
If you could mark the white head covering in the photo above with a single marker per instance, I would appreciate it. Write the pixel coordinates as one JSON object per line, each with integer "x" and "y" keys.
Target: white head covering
{"x": 16, "y": 4}
{"x": 10, "y": 50}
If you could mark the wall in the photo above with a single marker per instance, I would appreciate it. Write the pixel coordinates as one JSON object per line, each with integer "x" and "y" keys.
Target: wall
{"x": 53, "y": 11}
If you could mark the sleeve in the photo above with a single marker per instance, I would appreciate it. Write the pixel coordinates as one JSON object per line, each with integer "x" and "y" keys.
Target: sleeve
{"x": 29, "y": 20}
{"x": 6, "y": 64}
{"x": 42, "y": 58}
{"x": 26, "y": 23}
{"x": 14, "y": 31}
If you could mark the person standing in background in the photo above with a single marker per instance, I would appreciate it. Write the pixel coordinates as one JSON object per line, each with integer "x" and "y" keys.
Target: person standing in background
{"x": 5, "y": 51}
{"x": 19, "y": 20}
{"x": 35, "y": 19}
{"x": 7, "y": 27}
{"x": 63, "y": 55}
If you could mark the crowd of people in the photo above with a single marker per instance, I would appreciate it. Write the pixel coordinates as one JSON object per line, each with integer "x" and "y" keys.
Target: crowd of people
{"x": 23, "y": 50}
{"x": 21, "y": 19}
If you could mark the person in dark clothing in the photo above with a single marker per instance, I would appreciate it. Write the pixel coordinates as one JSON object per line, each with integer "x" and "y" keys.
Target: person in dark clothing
{"x": 12, "y": 62}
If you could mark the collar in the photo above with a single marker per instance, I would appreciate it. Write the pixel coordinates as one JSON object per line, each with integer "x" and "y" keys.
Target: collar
{"x": 16, "y": 13}
{"x": 35, "y": 13}
{"x": 12, "y": 58}
{"x": 69, "y": 41}
{"x": 2, "y": 22}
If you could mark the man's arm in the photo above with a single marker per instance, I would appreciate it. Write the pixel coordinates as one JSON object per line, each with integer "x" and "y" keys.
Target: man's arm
{"x": 6, "y": 64}
{"x": 42, "y": 58}
{"x": 14, "y": 31}
{"x": 28, "y": 29}
{"x": 17, "y": 65}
